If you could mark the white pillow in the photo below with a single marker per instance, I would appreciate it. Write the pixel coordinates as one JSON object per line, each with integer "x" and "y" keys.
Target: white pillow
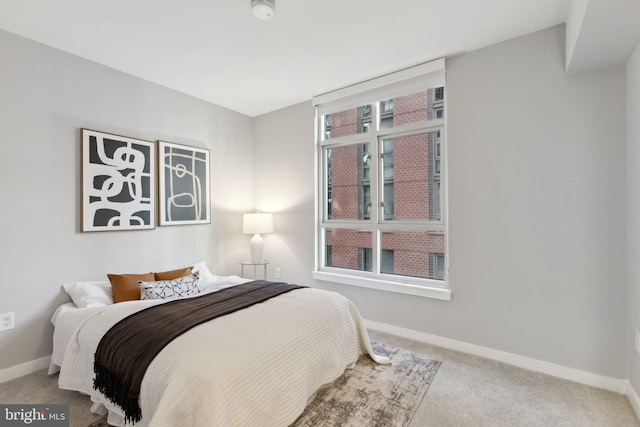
{"x": 206, "y": 278}
{"x": 225, "y": 282}
{"x": 170, "y": 289}
{"x": 89, "y": 294}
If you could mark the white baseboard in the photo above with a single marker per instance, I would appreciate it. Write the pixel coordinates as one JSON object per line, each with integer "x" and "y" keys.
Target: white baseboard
{"x": 576, "y": 375}
{"x": 633, "y": 398}
{"x": 27, "y": 368}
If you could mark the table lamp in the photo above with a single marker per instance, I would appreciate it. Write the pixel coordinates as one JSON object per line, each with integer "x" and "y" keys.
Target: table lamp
{"x": 256, "y": 224}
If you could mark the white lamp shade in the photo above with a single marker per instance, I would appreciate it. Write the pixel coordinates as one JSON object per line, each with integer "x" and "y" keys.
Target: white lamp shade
{"x": 257, "y": 223}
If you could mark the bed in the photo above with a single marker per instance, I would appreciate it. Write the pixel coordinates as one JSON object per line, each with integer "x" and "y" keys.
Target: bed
{"x": 253, "y": 367}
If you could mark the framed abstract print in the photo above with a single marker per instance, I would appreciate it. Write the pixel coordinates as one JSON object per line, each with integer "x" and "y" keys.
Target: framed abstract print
{"x": 118, "y": 182}
{"x": 184, "y": 186}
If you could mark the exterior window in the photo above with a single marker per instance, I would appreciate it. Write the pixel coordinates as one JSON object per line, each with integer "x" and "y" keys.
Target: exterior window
{"x": 438, "y": 197}
{"x": 366, "y": 203}
{"x": 386, "y": 114}
{"x": 387, "y": 157}
{"x": 436, "y": 265}
{"x": 387, "y": 261}
{"x": 386, "y": 107}
{"x": 382, "y": 187}
{"x": 436, "y": 154}
{"x": 439, "y": 94}
{"x": 364, "y": 119}
{"x": 327, "y": 126}
{"x": 365, "y": 259}
{"x": 387, "y": 201}
{"x": 440, "y": 266}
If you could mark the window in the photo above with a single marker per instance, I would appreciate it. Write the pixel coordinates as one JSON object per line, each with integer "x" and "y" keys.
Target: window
{"x": 382, "y": 187}
{"x": 386, "y": 114}
{"x": 327, "y": 126}
{"x": 387, "y": 261}
{"x": 439, "y": 93}
{"x": 364, "y": 118}
{"x": 365, "y": 259}
{"x": 437, "y": 263}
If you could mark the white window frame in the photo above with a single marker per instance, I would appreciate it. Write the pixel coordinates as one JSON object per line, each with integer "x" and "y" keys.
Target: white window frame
{"x": 373, "y": 92}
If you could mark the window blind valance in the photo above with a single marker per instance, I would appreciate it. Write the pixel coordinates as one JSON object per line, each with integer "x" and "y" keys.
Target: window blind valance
{"x": 409, "y": 80}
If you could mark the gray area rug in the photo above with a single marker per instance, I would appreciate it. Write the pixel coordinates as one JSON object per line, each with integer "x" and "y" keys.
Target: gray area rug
{"x": 102, "y": 422}
{"x": 369, "y": 395}
{"x": 372, "y": 394}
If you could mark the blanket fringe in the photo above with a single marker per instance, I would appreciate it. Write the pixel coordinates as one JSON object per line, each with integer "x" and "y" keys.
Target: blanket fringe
{"x": 117, "y": 391}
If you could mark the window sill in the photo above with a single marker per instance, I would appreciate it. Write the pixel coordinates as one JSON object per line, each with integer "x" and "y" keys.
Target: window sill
{"x": 385, "y": 285}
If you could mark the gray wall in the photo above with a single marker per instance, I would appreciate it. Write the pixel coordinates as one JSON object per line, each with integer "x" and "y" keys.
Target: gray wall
{"x": 284, "y": 154}
{"x": 537, "y": 208}
{"x": 46, "y": 96}
{"x": 537, "y": 199}
{"x": 633, "y": 214}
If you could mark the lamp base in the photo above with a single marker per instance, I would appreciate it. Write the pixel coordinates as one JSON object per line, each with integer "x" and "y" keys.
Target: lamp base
{"x": 256, "y": 249}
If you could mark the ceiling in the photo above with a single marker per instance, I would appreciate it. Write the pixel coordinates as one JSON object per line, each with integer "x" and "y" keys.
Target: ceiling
{"x": 217, "y": 51}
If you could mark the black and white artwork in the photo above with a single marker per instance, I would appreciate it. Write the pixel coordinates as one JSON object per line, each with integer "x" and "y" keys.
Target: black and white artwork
{"x": 118, "y": 182}
{"x": 184, "y": 184}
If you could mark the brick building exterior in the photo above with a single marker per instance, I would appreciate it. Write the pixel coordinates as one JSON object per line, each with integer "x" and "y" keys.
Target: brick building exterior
{"x": 411, "y": 188}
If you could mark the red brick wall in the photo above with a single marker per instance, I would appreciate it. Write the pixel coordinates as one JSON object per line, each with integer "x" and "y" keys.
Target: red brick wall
{"x": 410, "y": 178}
{"x": 344, "y": 246}
{"x": 344, "y": 182}
{"x": 411, "y": 108}
{"x": 411, "y": 250}
{"x": 344, "y": 123}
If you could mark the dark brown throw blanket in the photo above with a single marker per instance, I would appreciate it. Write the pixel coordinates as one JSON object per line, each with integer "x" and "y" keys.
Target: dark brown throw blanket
{"x": 127, "y": 349}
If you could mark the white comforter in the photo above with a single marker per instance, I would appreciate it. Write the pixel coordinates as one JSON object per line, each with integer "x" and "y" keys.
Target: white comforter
{"x": 255, "y": 367}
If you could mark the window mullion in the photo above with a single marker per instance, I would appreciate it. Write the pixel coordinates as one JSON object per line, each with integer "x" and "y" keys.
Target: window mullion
{"x": 374, "y": 169}
{"x": 376, "y": 250}
{"x": 325, "y": 186}
{"x": 375, "y": 196}
{"x": 407, "y": 226}
{"x": 343, "y": 141}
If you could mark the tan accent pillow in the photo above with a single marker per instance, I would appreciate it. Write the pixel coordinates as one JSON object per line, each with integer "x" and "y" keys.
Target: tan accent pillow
{"x": 125, "y": 286}
{"x": 172, "y": 274}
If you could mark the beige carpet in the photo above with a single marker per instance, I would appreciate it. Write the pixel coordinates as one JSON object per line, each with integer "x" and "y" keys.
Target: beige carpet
{"x": 471, "y": 391}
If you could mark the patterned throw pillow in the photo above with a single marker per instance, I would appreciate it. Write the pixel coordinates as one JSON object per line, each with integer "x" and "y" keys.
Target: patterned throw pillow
{"x": 170, "y": 289}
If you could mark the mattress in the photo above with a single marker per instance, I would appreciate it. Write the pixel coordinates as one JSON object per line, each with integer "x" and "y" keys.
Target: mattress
{"x": 254, "y": 367}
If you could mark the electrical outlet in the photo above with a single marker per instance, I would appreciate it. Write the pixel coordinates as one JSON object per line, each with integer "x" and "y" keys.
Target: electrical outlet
{"x": 278, "y": 273}
{"x": 7, "y": 321}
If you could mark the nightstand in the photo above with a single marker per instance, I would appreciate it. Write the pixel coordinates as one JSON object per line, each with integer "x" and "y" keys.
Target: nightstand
{"x": 256, "y": 266}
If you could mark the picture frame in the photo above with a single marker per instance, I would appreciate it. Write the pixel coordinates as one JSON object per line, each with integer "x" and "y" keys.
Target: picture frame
{"x": 118, "y": 182}
{"x": 184, "y": 184}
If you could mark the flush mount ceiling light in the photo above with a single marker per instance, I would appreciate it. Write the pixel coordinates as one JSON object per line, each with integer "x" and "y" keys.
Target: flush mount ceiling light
{"x": 263, "y": 9}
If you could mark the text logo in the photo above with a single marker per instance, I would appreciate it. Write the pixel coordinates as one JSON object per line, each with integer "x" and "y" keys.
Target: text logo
{"x": 34, "y": 415}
